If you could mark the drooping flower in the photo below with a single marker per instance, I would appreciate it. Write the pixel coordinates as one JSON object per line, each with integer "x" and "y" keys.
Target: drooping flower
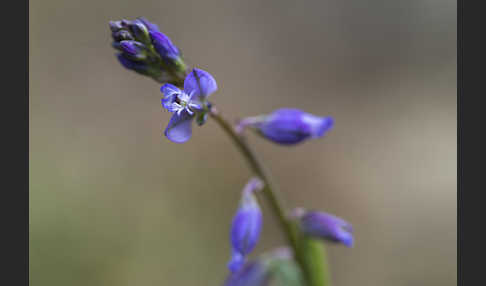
{"x": 145, "y": 50}
{"x": 187, "y": 104}
{"x": 288, "y": 126}
{"x": 246, "y": 225}
{"x": 325, "y": 226}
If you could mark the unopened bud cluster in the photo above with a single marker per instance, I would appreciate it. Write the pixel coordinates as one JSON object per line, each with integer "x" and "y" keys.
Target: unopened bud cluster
{"x": 147, "y": 51}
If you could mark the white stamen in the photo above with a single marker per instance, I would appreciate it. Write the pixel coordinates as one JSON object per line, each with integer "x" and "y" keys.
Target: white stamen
{"x": 184, "y": 104}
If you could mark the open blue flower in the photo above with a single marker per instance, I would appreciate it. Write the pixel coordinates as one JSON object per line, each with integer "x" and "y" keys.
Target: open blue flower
{"x": 186, "y": 104}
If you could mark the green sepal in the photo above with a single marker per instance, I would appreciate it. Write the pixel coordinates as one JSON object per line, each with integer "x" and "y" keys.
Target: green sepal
{"x": 180, "y": 66}
{"x": 201, "y": 118}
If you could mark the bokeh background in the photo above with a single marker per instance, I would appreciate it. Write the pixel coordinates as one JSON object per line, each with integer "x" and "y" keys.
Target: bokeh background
{"x": 112, "y": 202}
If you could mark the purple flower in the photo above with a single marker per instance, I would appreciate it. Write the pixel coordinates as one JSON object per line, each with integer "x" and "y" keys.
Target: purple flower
{"x": 246, "y": 226}
{"x": 186, "y": 104}
{"x": 288, "y": 126}
{"x": 325, "y": 226}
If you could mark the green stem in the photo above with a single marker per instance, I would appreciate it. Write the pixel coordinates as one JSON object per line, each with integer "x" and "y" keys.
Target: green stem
{"x": 268, "y": 190}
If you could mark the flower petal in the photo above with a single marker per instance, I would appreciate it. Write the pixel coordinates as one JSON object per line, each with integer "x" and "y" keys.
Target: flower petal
{"x": 179, "y": 129}
{"x": 170, "y": 91}
{"x": 318, "y": 125}
{"x": 288, "y": 126}
{"x": 200, "y": 83}
{"x": 245, "y": 231}
{"x": 284, "y": 126}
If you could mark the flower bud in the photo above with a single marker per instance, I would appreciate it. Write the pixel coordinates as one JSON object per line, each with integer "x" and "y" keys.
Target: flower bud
{"x": 133, "y": 50}
{"x": 246, "y": 225}
{"x": 164, "y": 46}
{"x": 324, "y": 226}
{"x": 139, "y": 31}
{"x": 288, "y": 126}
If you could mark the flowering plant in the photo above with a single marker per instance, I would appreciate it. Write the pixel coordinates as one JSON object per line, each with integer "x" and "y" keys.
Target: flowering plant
{"x": 143, "y": 48}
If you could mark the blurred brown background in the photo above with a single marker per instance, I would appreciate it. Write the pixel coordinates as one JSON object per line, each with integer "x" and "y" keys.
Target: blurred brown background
{"x": 113, "y": 202}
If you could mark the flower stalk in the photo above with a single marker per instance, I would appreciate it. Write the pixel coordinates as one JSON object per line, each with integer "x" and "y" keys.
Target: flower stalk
{"x": 144, "y": 49}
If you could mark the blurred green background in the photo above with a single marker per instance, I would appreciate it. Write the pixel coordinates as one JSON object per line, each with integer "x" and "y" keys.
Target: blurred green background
{"x": 112, "y": 202}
